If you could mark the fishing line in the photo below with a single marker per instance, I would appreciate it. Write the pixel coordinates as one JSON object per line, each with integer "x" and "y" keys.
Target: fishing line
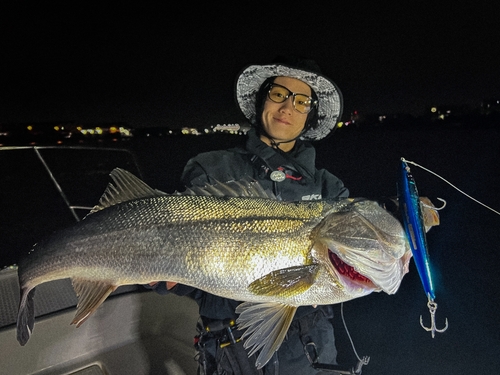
{"x": 453, "y": 186}
{"x": 365, "y": 359}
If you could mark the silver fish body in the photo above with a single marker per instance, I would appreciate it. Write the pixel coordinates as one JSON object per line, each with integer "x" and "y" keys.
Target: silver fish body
{"x": 274, "y": 256}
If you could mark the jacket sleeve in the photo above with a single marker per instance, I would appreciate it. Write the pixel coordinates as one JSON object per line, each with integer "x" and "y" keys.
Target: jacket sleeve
{"x": 333, "y": 187}
{"x": 194, "y": 174}
{"x": 215, "y": 166}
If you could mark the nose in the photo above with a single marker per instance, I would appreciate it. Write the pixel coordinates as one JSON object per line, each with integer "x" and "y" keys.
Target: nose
{"x": 287, "y": 105}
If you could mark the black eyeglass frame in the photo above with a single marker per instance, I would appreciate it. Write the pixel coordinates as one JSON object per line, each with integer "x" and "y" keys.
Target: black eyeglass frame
{"x": 314, "y": 103}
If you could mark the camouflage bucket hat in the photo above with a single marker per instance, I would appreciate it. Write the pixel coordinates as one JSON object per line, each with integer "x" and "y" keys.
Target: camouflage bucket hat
{"x": 329, "y": 96}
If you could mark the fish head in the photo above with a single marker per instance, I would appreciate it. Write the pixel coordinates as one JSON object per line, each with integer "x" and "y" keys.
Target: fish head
{"x": 364, "y": 247}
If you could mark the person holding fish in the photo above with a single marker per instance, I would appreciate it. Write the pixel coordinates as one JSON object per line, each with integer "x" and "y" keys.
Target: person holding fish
{"x": 289, "y": 104}
{"x": 261, "y": 239}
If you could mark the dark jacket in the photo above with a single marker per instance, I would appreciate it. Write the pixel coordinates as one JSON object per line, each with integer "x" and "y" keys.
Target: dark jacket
{"x": 257, "y": 160}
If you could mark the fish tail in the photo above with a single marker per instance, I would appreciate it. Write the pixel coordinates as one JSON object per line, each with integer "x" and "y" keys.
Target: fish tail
{"x": 26, "y": 315}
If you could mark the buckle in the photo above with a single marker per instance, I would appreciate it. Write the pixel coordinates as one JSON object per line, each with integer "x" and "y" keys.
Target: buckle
{"x": 310, "y": 348}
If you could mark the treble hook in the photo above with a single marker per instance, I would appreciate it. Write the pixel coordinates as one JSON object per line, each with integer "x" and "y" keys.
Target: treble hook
{"x": 433, "y": 329}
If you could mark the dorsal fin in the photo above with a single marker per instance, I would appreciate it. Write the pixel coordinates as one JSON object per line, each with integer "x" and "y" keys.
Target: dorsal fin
{"x": 246, "y": 187}
{"x": 125, "y": 187}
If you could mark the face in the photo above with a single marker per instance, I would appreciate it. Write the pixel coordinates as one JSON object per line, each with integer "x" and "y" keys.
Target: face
{"x": 280, "y": 120}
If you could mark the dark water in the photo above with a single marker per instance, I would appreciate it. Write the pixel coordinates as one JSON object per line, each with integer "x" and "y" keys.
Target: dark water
{"x": 463, "y": 249}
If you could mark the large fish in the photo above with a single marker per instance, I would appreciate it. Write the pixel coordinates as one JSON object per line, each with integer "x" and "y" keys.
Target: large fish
{"x": 233, "y": 240}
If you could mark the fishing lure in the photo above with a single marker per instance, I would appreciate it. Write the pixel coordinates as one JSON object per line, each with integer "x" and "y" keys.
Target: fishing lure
{"x": 411, "y": 211}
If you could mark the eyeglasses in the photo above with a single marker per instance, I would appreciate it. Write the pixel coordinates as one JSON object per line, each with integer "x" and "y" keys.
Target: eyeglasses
{"x": 301, "y": 102}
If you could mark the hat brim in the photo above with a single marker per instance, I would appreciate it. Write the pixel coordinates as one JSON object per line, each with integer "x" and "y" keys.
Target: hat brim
{"x": 329, "y": 96}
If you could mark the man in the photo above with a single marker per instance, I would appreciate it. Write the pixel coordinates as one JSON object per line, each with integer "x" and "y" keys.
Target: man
{"x": 288, "y": 103}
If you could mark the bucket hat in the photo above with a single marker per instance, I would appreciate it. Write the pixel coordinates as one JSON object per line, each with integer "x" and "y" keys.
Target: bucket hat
{"x": 329, "y": 96}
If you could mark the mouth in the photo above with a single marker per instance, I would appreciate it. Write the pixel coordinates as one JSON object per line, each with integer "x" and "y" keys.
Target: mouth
{"x": 348, "y": 272}
{"x": 281, "y": 121}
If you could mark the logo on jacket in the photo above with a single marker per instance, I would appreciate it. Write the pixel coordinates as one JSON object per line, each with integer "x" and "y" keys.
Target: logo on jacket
{"x": 311, "y": 197}
{"x": 277, "y": 176}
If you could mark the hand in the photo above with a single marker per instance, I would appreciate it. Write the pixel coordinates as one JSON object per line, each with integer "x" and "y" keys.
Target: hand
{"x": 170, "y": 284}
{"x": 429, "y": 212}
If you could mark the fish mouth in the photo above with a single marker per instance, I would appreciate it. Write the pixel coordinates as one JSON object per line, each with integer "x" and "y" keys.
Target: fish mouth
{"x": 348, "y": 275}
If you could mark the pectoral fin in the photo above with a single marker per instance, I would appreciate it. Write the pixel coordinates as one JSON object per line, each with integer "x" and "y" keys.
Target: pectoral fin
{"x": 90, "y": 296}
{"x": 266, "y": 325}
{"x": 285, "y": 282}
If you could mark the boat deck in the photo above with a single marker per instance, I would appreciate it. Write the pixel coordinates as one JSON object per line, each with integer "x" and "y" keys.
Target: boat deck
{"x": 133, "y": 332}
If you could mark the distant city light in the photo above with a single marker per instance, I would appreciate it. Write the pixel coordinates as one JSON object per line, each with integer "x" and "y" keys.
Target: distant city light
{"x": 192, "y": 131}
{"x": 231, "y": 128}
{"x": 125, "y": 132}
{"x": 67, "y": 132}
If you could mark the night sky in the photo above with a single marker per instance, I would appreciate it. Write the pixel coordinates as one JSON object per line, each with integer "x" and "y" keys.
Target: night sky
{"x": 176, "y": 65}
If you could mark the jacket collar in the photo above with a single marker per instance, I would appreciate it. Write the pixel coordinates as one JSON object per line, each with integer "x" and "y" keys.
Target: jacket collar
{"x": 302, "y": 157}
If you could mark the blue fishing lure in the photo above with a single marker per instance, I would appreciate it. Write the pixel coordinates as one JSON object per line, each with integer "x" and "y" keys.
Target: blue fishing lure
{"x": 413, "y": 222}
